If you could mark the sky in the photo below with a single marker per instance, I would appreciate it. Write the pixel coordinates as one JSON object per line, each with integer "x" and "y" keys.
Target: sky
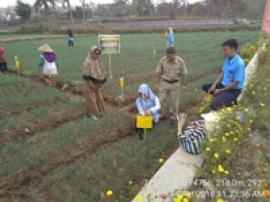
{"x": 5, "y": 3}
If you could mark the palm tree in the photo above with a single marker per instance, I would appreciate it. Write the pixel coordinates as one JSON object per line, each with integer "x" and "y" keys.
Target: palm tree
{"x": 40, "y": 4}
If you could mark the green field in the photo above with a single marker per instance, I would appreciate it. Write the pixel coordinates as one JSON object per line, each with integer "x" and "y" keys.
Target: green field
{"x": 51, "y": 151}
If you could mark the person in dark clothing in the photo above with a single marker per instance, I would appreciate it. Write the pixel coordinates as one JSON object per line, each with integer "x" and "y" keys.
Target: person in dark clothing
{"x": 70, "y": 38}
{"x": 3, "y": 62}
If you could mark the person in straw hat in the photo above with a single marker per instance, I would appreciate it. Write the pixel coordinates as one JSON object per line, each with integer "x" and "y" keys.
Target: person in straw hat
{"x": 49, "y": 63}
{"x": 94, "y": 77}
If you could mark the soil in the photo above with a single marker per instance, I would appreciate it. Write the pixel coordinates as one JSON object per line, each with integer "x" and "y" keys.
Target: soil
{"x": 47, "y": 124}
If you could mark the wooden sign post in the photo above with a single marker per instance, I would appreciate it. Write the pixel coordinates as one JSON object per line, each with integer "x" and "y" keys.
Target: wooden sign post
{"x": 109, "y": 44}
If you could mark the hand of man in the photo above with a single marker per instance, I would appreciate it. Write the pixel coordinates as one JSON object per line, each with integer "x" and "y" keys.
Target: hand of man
{"x": 212, "y": 89}
{"x": 218, "y": 91}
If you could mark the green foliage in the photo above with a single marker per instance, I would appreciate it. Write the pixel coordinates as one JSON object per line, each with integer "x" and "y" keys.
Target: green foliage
{"x": 23, "y": 10}
{"x": 248, "y": 51}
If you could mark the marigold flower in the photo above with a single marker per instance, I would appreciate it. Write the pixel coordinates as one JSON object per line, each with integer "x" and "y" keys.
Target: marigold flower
{"x": 109, "y": 193}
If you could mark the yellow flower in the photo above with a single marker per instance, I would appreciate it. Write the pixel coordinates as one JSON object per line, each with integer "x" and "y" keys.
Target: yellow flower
{"x": 213, "y": 171}
{"x": 109, "y": 193}
{"x": 220, "y": 200}
{"x": 262, "y": 104}
{"x": 208, "y": 149}
{"x": 228, "y": 151}
{"x": 138, "y": 198}
{"x": 227, "y": 134}
{"x": 253, "y": 92}
{"x": 185, "y": 200}
{"x": 178, "y": 198}
{"x": 161, "y": 160}
{"x": 246, "y": 109}
{"x": 220, "y": 168}
{"x": 216, "y": 155}
{"x": 226, "y": 172}
{"x": 211, "y": 140}
{"x": 130, "y": 182}
{"x": 235, "y": 139}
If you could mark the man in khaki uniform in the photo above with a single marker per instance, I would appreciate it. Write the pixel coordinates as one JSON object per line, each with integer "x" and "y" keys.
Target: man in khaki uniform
{"x": 172, "y": 73}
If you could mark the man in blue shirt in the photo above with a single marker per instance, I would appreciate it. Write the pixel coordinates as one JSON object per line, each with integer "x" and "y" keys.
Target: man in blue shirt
{"x": 231, "y": 81}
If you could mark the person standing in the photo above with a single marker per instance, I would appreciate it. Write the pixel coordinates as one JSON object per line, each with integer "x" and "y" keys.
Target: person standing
{"x": 232, "y": 79}
{"x": 170, "y": 38}
{"x": 3, "y": 62}
{"x": 94, "y": 78}
{"x": 172, "y": 73}
{"x": 70, "y": 39}
{"x": 49, "y": 64}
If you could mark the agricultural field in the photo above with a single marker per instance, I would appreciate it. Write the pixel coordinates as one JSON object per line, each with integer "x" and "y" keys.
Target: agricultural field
{"x": 51, "y": 151}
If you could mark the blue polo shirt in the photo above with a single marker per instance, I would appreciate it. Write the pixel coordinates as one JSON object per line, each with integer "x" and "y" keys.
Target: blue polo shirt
{"x": 234, "y": 69}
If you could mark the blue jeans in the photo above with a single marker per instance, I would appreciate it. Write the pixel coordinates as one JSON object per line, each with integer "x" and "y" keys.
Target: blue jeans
{"x": 224, "y": 99}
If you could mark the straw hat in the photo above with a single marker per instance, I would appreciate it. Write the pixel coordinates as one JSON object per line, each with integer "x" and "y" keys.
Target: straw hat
{"x": 46, "y": 48}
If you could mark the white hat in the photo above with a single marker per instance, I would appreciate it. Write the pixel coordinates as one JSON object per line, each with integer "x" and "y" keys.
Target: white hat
{"x": 46, "y": 48}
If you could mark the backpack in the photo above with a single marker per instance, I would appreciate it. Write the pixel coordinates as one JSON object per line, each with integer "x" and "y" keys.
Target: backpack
{"x": 192, "y": 138}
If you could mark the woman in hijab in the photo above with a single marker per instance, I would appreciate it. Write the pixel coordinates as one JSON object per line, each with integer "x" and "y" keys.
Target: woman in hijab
{"x": 49, "y": 64}
{"x": 3, "y": 62}
{"x": 94, "y": 77}
{"x": 147, "y": 104}
{"x": 170, "y": 38}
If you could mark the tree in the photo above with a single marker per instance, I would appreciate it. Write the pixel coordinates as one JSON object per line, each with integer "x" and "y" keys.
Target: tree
{"x": 69, "y": 10}
{"x": 143, "y": 7}
{"x": 42, "y": 4}
{"x": 23, "y": 10}
{"x": 120, "y": 7}
{"x": 83, "y": 11}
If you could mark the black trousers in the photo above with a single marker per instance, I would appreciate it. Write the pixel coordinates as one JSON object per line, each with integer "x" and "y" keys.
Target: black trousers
{"x": 224, "y": 99}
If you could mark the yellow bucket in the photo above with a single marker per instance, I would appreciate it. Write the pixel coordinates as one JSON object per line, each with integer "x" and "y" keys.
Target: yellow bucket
{"x": 145, "y": 122}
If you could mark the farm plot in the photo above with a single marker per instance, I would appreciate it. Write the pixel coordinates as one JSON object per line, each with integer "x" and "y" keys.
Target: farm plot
{"x": 51, "y": 151}
{"x": 201, "y": 52}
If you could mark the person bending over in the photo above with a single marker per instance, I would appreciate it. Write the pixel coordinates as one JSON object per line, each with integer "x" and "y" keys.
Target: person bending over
{"x": 147, "y": 105}
{"x": 231, "y": 81}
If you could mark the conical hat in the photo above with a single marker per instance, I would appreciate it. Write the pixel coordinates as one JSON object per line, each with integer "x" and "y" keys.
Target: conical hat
{"x": 46, "y": 48}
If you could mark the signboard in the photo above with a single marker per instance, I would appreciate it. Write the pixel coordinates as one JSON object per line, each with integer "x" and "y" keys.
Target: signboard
{"x": 109, "y": 44}
{"x": 266, "y": 19}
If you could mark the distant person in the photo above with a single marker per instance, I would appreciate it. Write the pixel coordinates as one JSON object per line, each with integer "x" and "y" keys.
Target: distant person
{"x": 70, "y": 39}
{"x": 231, "y": 81}
{"x": 3, "y": 62}
{"x": 147, "y": 105}
{"x": 170, "y": 38}
{"x": 94, "y": 77}
{"x": 49, "y": 64}
{"x": 171, "y": 73}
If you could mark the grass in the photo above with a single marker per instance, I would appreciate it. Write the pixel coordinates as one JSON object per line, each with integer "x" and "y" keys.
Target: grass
{"x": 120, "y": 166}
{"x": 201, "y": 52}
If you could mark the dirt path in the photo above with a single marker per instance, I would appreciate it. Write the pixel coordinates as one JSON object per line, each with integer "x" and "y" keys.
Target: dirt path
{"x": 39, "y": 126}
